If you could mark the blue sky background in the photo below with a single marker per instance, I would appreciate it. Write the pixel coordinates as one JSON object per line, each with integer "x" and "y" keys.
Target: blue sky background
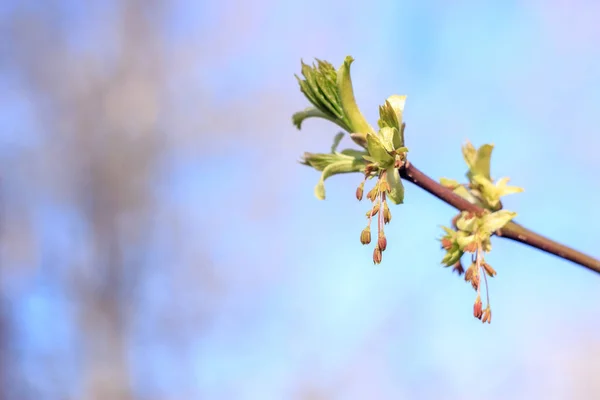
{"x": 301, "y": 311}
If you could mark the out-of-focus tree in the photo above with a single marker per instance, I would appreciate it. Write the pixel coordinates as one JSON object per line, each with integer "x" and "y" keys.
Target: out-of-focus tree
{"x": 99, "y": 108}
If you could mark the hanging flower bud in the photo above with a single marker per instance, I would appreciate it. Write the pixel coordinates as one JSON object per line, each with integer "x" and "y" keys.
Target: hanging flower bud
{"x": 373, "y": 211}
{"x": 387, "y": 215}
{"x": 477, "y": 308}
{"x": 489, "y": 270}
{"x": 377, "y": 255}
{"x": 365, "y": 236}
{"x": 359, "y": 191}
{"x": 382, "y": 242}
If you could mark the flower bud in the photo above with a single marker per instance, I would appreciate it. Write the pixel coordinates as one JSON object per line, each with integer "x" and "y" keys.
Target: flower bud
{"x": 458, "y": 267}
{"x": 455, "y": 220}
{"x": 365, "y": 236}
{"x": 373, "y": 211}
{"x": 477, "y": 313}
{"x": 387, "y": 215}
{"x": 471, "y": 247}
{"x": 489, "y": 270}
{"x": 372, "y": 195}
{"x": 446, "y": 243}
{"x": 376, "y": 255}
{"x": 359, "y": 191}
{"x": 385, "y": 187}
{"x": 487, "y": 315}
{"x": 472, "y": 275}
{"x": 382, "y": 242}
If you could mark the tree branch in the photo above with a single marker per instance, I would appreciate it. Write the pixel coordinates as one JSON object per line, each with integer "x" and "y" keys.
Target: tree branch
{"x": 512, "y": 230}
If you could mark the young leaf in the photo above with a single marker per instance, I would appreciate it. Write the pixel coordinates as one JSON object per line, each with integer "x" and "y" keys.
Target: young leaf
{"x": 504, "y": 189}
{"x": 466, "y": 224}
{"x": 336, "y": 141}
{"x": 387, "y": 136}
{"x": 396, "y": 194}
{"x": 339, "y": 167}
{"x": 378, "y": 151}
{"x": 449, "y": 183}
{"x": 312, "y": 112}
{"x": 484, "y": 156}
{"x": 494, "y": 221}
{"x": 355, "y": 119}
{"x": 469, "y": 154}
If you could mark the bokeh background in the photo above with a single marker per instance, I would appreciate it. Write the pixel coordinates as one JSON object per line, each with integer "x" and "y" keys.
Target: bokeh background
{"x": 159, "y": 240}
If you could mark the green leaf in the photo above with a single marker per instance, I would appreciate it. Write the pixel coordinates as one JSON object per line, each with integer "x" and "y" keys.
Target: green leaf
{"x": 465, "y": 194}
{"x": 449, "y": 183}
{"x": 314, "y": 80}
{"x": 378, "y": 152}
{"x": 355, "y": 119}
{"x": 484, "y": 157}
{"x": 390, "y": 116}
{"x": 494, "y": 221}
{"x": 312, "y": 112}
{"x": 466, "y": 224}
{"x": 452, "y": 257}
{"x": 387, "y": 137}
{"x": 504, "y": 189}
{"x": 336, "y": 141}
{"x": 396, "y": 194}
{"x": 469, "y": 154}
{"x": 340, "y": 167}
{"x": 463, "y": 241}
{"x": 357, "y": 154}
{"x": 387, "y": 116}
{"x": 449, "y": 232}
{"x": 320, "y": 161}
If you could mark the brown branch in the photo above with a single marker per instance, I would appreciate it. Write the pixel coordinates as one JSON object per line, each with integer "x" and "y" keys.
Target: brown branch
{"x": 512, "y": 230}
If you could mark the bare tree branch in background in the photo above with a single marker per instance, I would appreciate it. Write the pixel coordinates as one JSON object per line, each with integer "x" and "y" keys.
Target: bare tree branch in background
{"x": 100, "y": 120}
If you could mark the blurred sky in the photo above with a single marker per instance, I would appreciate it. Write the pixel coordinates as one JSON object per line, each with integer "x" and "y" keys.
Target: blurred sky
{"x": 303, "y": 311}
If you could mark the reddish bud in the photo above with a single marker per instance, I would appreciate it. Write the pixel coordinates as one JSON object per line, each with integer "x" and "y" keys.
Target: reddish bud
{"x": 471, "y": 247}
{"x": 458, "y": 267}
{"x": 487, "y": 315}
{"x": 382, "y": 242}
{"x": 446, "y": 244}
{"x": 376, "y": 255}
{"x": 477, "y": 313}
{"x": 373, "y": 211}
{"x": 455, "y": 220}
{"x": 472, "y": 275}
{"x": 359, "y": 191}
{"x": 469, "y": 274}
{"x": 489, "y": 270}
{"x": 365, "y": 236}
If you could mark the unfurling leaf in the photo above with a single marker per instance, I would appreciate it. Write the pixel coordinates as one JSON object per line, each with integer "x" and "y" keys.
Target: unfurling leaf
{"x": 483, "y": 161}
{"x": 449, "y": 183}
{"x": 494, "y": 221}
{"x": 377, "y": 151}
{"x": 336, "y": 141}
{"x": 312, "y": 112}
{"x": 469, "y": 154}
{"x": 356, "y": 121}
{"x": 396, "y": 194}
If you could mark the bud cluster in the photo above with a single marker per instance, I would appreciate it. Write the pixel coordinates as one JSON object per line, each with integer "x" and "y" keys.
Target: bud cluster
{"x": 379, "y": 210}
{"x": 471, "y": 234}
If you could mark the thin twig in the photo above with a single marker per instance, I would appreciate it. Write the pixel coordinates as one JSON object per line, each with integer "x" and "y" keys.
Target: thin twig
{"x": 512, "y": 230}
